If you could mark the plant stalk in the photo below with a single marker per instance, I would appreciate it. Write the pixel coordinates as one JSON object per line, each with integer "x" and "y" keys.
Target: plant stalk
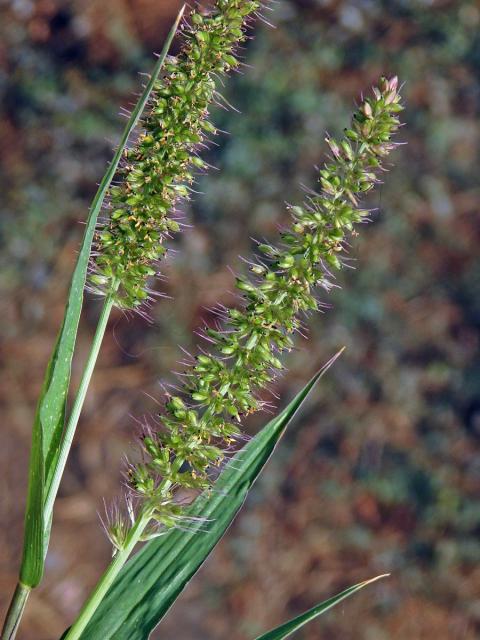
{"x": 20, "y": 596}
{"x": 15, "y": 611}
{"x": 120, "y": 558}
{"x": 108, "y": 578}
{"x": 77, "y": 408}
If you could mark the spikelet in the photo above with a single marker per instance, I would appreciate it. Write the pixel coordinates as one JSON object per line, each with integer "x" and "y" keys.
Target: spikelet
{"x": 157, "y": 170}
{"x": 222, "y": 384}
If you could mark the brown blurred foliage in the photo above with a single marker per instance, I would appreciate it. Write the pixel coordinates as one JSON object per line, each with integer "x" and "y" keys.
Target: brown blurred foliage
{"x": 382, "y": 473}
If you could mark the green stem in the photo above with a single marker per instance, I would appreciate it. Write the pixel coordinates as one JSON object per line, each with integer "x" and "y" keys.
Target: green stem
{"x": 15, "y": 611}
{"x": 116, "y": 565}
{"x": 22, "y": 591}
{"x": 108, "y": 577}
{"x": 76, "y": 409}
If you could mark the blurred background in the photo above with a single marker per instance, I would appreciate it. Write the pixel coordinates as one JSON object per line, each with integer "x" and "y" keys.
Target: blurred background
{"x": 382, "y": 473}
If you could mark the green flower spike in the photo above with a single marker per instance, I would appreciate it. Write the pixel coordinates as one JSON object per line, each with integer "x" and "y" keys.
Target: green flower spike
{"x": 221, "y": 385}
{"x": 157, "y": 170}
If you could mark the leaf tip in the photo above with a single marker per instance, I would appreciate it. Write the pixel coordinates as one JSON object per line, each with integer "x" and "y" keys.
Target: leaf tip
{"x": 371, "y": 580}
{"x": 329, "y": 363}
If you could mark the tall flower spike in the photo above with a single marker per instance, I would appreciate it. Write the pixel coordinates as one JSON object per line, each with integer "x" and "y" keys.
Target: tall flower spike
{"x": 157, "y": 171}
{"x": 222, "y": 384}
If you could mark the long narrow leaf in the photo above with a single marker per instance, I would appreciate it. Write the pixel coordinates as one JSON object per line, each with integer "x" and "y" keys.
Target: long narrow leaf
{"x": 153, "y": 579}
{"x": 295, "y": 624}
{"x": 50, "y": 415}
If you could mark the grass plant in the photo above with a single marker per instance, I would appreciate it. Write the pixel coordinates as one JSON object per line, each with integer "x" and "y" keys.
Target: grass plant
{"x": 199, "y": 429}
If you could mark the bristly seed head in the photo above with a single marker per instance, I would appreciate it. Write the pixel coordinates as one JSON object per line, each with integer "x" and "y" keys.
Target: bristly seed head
{"x": 157, "y": 171}
{"x": 222, "y": 383}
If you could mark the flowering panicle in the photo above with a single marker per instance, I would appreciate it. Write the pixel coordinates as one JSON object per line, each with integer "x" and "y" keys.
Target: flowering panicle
{"x": 223, "y": 382}
{"x": 157, "y": 170}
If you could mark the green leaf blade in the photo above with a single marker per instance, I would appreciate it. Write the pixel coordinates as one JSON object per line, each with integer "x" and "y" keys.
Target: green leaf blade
{"x": 31, "y": 569}
{"x": 153, "y": 579}
{"x": 286, "y": 630}
{"x": 50, "y": 413}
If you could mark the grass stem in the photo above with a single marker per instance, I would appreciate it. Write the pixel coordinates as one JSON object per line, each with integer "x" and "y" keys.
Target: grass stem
{"x": 77, "y": 408}
{"x": 22, "y": 591}
{"x": 106, "y": 581}
{"x": 115, "y": 566}
{"x": 15, "y": 611}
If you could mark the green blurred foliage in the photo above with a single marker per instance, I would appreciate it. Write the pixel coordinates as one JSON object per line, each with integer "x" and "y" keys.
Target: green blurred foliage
{"x": 384, "y": 473}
